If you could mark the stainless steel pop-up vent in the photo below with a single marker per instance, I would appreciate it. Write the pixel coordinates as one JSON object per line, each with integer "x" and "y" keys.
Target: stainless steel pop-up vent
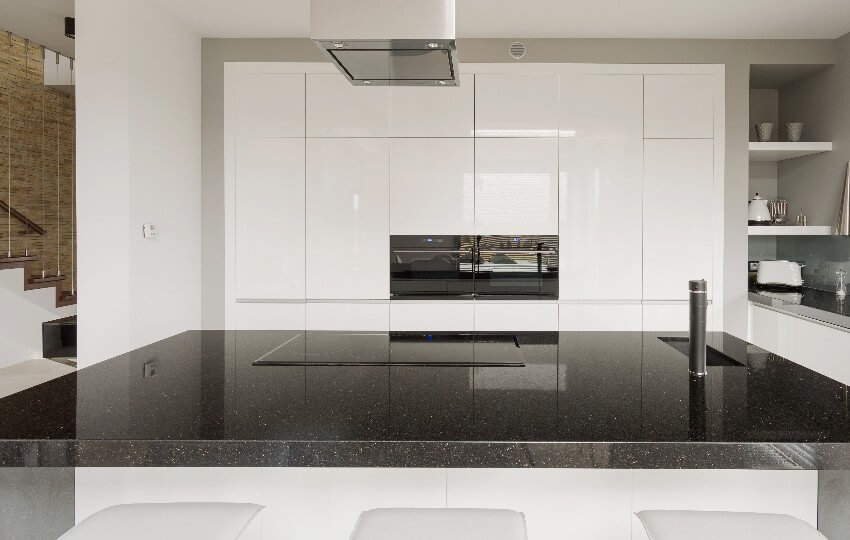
{"x": 388, "y": 42}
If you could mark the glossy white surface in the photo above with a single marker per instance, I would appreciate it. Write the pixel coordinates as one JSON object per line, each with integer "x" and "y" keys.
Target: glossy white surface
{"x": 516, "y": 105}
{"x": 431, "y": 316}
{"x": 270, "y": 219}
{"x": 516, "y": 186}
{"x": 433, "y": 112}
{"x": 270, "y": 105}
{"x": 779, "y": 151}
{"x": 670, "y": 317}
{"x": 441, "y": 523}
{"x": 347, "y": 218}
{"x": 348, "y": 316}
{"x": 494, "y": 316}
{"x": 789, "y": 230}
{"x": 769, "y": 330}
{"x": 678, "y": 216}
{"x": 609, "y": 317}
{"x": 679, "y": 106}
{"x": 600, "y": 187}
{"x": 269, "y": 316}
{"x": 819, "y": 348}
{"x": 335, "y": 108}
{"x": 432, "y": 186}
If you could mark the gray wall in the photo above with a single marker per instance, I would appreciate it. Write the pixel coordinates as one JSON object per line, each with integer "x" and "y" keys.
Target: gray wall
{"x": 737, "y": 55}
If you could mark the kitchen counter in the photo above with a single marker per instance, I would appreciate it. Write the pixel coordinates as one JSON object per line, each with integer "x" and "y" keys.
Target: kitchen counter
{"x": 813, "y": 304}
{"x": 539, "y": 399}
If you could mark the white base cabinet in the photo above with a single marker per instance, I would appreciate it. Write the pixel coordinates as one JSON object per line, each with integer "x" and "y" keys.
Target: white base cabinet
{"x": 348, "y": 316}
{"x": 432, "y": 316}
{"x": 270, "y": 316}
{"x": 671, "y": 317}
{"x": 494, "y": 316}
{"x": 611, "y": 317}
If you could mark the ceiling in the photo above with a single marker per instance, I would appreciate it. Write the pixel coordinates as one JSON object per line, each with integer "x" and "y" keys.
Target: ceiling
{"x": 720, "y": 19}
{"x": 41, "y": 21}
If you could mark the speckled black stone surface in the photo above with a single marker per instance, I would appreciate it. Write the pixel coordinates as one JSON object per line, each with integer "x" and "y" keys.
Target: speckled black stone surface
{"x": 814, "y": 304}
{"x": 580, "y": 399}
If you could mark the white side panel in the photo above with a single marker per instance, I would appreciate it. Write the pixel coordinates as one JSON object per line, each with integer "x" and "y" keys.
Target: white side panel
{"x": 820, "y": 348}
{"x": 600, "y": 317}
{"x": 269, "y": 218}
{"x": 601, "y": 185}
{"x": 515, "y": 316}
{"x": 557, "y": 503}
{"x": 335, "y": 108}
{"x": 678, "y": 232}
{"x": 431, "y": 316}
{"x": 433, "y": 112}
{"x": 778, "y": 492}
{"x": 269, "y": 316}
{"x": 679, "y": 106}
{"x": 516, "y": 105}
{"x": 270, "y": 105}
{"x": 516, "y": 186}
{"x": 348, "y": 316}
{"x": 766, "y": 325}
{"x": 348, "y": 219}
{"x": 432, "y": 186}
{"x": 670, "y": 317}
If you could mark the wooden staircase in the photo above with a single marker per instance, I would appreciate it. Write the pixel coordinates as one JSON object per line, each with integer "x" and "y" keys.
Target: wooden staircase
{"x": 32, "y": 282}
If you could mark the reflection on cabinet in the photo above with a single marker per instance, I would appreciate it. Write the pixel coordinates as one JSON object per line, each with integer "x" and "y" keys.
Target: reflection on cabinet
{"x": 269, "y": 316}
{"x": 610, "y": 317}
{"x": 600, "y": 185}
{"x": 269, "y": 218}
{"x": 678, "y": 232}
{"x": 516, "y": 183}
{"x": 347, "y": 218}
{"x": 516, "y": 105}
{"x": 432, "y": 316}
{"x": 418, "y": 111}
{"x": 673, "y": 317}
{"x": 679, "y": 106}
{"x": 335, "y": 108}
{"x": 493, "y": 316}
{"x": 348, "y": 316}
{"x": 270, "y": 105}
{"x": 432, "y": 186}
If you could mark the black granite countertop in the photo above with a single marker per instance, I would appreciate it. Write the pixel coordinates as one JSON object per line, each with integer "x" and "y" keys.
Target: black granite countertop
{"x": 817, "y": 305}
{"x": 540, "y": 399}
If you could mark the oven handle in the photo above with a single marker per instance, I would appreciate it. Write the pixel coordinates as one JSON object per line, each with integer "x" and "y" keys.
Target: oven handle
{"x": 518, "y": 251}
{"x": 432, "y": 251}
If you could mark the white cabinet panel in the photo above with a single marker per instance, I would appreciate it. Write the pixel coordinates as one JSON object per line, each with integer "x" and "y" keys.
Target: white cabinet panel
{"x": 418, "y": 111}
{"x": 769, "y": 330}
{"x": 557, "y": 503}
{"x": 348, "y": 316}
{"x": 270, "y": 105}
{"x": 432, "y": 186}
{"x": 431, "y": 316}
{"x": 516, "y": 105}
{"x": 269, "y": 316}
{"x": 348, "y": 219}
{"x": 269, "y": 218}
{"x": 677, "y": 216}
{"x": 778, "y": 492}
{"x": 494, "y": 316}
{"x": 670, "y": 317}
{"x": 335, "y": 108}
{"x": 516, "y": 186}
{"x": 600, "y": 317}
{"x": 679, "y": 106}
{"x": 820, "y": 348}
{"x": 601, "y": 185}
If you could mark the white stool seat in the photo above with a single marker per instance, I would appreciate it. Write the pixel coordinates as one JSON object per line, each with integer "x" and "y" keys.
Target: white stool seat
{"x": 694, "y": 525}
{"x": 166, "y": 521}
{"x": 440, "y": 524}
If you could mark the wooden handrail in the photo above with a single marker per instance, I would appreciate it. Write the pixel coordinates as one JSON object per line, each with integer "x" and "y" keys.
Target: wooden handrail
{"x": 20, "y": 217}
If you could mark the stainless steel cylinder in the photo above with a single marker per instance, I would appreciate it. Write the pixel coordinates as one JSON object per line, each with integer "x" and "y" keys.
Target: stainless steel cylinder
{"x": 698, "y": 315}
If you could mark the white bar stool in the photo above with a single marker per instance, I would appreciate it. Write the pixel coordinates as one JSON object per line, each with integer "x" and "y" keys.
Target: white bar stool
{"x": 166, "y": 521}
{"x": 440, "y": 524}
{"x": 695, "y": 525}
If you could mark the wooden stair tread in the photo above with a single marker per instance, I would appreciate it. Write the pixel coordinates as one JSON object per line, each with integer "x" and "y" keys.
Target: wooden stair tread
{"x": 46, "y": 279}
{"x": 32, "y": 282}
{"x": 15, "y": 260}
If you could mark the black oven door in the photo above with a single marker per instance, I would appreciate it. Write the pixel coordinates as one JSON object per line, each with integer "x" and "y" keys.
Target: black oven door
{"x": 516, "y": 267}
{"x": 431, "y": 267}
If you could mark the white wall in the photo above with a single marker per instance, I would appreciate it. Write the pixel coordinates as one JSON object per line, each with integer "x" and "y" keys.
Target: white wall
{"x": 138, "y": 161}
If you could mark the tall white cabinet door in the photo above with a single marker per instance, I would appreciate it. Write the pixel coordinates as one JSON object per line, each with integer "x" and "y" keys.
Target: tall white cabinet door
{"x": 601, "y": 185}
{"x": 269, "y": 218}
{"x": 677, "y": 216}
{"x": 820, "y": 348}
{"x": 335, "y": 108}
{"x": 424, "y": 111}
{"x": 516, "y": 186}
{"x": 348, "y": 219}
{"x": 679, "y": 106}
{"x": 270, "y": 105}
{"x": 432, "y": 186}
{"x": 516, "y": 105}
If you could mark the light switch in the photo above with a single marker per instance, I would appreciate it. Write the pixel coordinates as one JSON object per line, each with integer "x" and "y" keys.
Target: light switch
{"x": 149, "y": 230}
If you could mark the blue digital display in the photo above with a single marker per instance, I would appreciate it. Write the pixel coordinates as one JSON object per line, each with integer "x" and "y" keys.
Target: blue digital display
{"x": 429, "y": 239}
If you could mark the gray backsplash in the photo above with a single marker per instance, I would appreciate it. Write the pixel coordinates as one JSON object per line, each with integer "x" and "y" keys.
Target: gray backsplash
{"x": 822, "y": 255}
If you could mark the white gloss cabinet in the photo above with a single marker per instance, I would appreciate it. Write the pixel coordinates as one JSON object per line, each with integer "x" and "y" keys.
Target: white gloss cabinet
{"x": 516, "y": 186}
{"x": 347, "y": 219}
{"x": 348, "y": 316}
{"x": 514, "y": 316}
{"x": 600, "y": 186}
{"x": 596, "y": 317}
{"x": 270, "y": 105}
{"x": 424, "y": 111}
{"x": 769, "y": 330}
{"x": 671, "y": 317}
{"x": 335, "y": 108}
{"x": 431, "y": 316}
{"x": 270, "y": 316}
{"x": 432, "y": 186}
{"x": 678, "y": 231}
{"x": 679, "y": 106}
{"x": 269, "y": 218}
{"x": 820, "y": 348}
{"x": 516, "y": 105}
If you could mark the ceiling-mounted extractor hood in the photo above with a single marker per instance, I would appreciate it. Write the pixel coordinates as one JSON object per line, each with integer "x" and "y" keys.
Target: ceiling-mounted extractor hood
{"x": 388, "y": 42}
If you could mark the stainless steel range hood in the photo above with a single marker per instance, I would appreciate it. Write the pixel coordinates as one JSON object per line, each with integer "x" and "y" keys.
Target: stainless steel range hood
{"x": 388, "y": 42}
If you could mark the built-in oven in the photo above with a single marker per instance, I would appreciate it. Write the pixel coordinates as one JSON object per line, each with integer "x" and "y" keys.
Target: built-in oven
{"x": 431, "y": 266}
{"x": 521, "y": 267}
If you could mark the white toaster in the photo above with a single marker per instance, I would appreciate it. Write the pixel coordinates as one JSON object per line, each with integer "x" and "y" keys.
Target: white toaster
{"x": 779, "y": 273}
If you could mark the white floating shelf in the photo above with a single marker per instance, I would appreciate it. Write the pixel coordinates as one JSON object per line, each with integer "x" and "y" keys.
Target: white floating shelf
{"x": 779, "y": 151}
{"x": 789, "y": 230}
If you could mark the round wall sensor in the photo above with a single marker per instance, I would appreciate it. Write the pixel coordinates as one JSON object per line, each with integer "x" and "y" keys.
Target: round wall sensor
{"x": 517, "y": 50}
